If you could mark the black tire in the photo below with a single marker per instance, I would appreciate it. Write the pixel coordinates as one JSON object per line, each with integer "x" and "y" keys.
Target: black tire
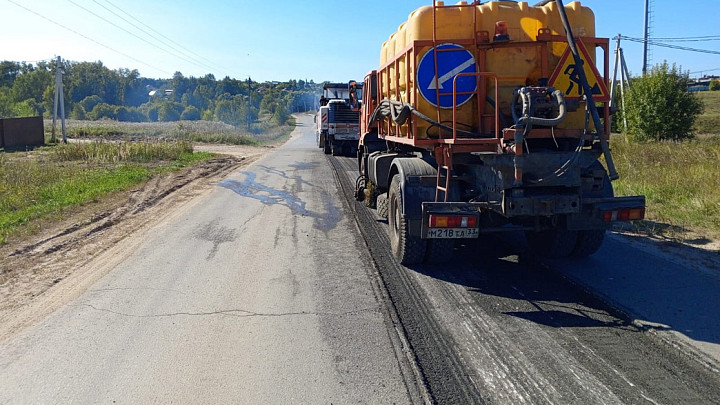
{"x": 326, "y": 147}
{"x": 382, "y": 205}
{"x": 439, "y": 250}
{"x": 588, "y": 242}
{"x": 336, "y": 148}
{"x": 406, "y": 248}
{"x": 553, "y": 244}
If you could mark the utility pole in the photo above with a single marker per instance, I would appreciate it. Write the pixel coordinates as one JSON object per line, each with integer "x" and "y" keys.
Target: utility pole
{"x": 59, "y": 100}
{"x": 645, "y": 36}
{"x": 249, "y": 105}
{"x": 624, "y": 78}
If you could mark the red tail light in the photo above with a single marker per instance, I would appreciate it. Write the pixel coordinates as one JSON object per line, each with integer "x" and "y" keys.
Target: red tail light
{"x": 453, "y": 221}
{"x": 624, "y": 214}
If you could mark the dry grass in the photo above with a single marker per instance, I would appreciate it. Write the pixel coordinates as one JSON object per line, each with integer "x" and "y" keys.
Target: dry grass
{"x": 194, "y": 131}
{"x": 121, "y": 151}
{"x": 681, "y": 182}
{"x": 709, "y": 121}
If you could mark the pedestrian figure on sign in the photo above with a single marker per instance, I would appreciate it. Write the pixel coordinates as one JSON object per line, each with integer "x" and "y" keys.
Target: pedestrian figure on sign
{"x": 572, "y": 72}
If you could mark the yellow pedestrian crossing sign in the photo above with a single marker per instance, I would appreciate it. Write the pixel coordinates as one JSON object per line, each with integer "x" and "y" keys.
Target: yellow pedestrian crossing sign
{"x": 566, "y": 79}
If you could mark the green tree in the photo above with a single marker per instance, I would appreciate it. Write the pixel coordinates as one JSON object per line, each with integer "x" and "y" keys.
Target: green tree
{"x": 5, "y": 103}
{"x": 281, "y": 114}
{"x": 89, "y": 102}
{"x": 129, "y": 114}
{"x": 225, "y": 112}
{"x": 169, "y": 111}
{"x": 659, "y": 106}
{"x": 78, "y": 112}
{"x": 32, "y": 85}
{"x": 191, "y": 113}
{"x": 26, "y": 108}
{"x": 102, "y": 110}
{"x": 8, "y": 72}
{"x": 152, "y": 112}
{"x": 714, "y": 85}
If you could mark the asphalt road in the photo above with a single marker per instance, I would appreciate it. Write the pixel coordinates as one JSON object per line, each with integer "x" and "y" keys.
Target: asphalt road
{"x": 279, "y": 288}
{"x": 261, "y": 292}
{"x": 497, "y": 325}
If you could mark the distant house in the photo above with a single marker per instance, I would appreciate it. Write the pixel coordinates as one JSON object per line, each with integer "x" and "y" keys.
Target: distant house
{"x": 702, "y": 83}
{"x": 160, "y": 93}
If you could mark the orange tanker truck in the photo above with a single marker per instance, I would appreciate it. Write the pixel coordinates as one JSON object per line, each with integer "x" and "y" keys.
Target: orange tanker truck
{"x": 491, "y": 117}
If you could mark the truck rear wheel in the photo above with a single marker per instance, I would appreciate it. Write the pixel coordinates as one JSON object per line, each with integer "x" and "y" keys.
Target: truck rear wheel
{"x": 382, "y": 205}
{"x": 554, "y": 243}
{"x": 336, "y": 148}
{"x": 588, "y": 242}
{"x": 406, "y": 248}
{"x": 326, "y": 147}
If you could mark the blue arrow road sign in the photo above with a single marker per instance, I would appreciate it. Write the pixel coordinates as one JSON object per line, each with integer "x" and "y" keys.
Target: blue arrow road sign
{"x": 452, "y": 59}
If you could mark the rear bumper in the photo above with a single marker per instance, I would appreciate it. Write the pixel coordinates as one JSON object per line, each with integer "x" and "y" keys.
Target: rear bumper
{"x": 577, "y": 213}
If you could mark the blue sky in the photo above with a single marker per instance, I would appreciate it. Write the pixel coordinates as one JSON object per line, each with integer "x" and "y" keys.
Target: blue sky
{"x": 315, "y": 40}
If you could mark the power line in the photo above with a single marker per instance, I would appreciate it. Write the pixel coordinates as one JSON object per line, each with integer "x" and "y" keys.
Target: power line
{"x": 661, "y": 44}
{"x": 86, "y": 37}
{"x": 705, "y": 70}
{"x": 162, "y": 35}
{"x": 133, "y": 34}
{"x": 151, "y": 35}
{"x": 680, "y": 39}
{"x": 32, "y": 61}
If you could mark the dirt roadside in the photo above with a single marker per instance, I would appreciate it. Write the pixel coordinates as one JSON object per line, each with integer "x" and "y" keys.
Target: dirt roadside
{"x": 41, "y": 272}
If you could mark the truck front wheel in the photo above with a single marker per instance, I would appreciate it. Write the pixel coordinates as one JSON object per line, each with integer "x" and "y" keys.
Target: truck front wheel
{"x": 406, "y": 248}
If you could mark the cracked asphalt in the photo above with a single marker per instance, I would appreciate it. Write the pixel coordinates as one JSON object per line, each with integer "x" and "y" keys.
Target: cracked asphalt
{"x": 260, "y": 292}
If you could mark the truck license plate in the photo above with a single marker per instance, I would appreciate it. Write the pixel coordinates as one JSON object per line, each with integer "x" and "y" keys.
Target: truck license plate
{"x": 452, "y": 233}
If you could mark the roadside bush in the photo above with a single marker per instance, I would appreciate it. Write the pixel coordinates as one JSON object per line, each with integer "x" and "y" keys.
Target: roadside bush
{"x": 89, "y": 102}
{"x": 191, "y": 113}
{"x": 130, "y": 114}
{"x": 169, "y": 111}
{"x": 102, "y": 110}
{"x": 281, "y": 114}
{"x": 78, "y": 112}
{"x": 714, "y": 85}
{"x": 659, "y": 106}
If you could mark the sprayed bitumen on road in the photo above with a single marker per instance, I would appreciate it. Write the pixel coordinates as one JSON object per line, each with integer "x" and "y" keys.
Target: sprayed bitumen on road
{"x": 250, "y": 188}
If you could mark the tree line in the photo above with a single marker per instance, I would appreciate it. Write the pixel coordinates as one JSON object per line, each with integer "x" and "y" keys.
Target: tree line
{"x": 92, "y": 91}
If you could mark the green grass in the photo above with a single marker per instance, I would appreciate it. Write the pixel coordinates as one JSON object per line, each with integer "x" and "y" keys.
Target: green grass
{"x": 709, "y": 121}
{"x": 36, "y": 184}
{"x": 681, "y": 182}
